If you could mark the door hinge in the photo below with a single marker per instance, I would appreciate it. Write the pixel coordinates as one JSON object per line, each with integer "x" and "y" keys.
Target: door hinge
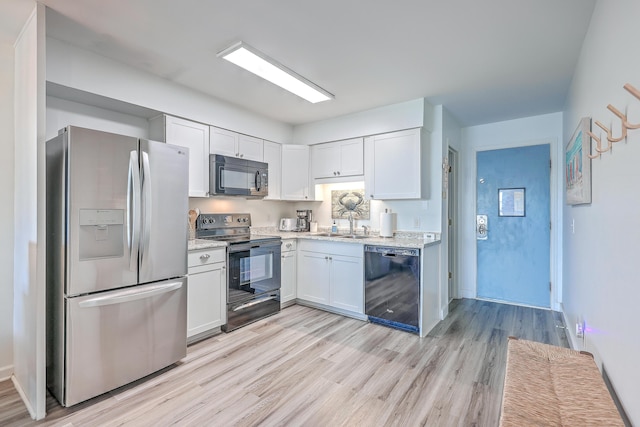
{"x": 450, "y": 275}
{"x": 549, "y": 286}
{"x": 549, "y": 163}
{"x": 450, "y": 222}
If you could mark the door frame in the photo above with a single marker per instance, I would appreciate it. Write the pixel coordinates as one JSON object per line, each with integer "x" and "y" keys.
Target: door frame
{"x": 452, "y": 231}
{"x": 555, "y": 206}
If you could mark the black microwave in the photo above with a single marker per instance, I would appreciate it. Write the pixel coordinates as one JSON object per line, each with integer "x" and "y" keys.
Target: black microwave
{"x": 231, "y": 176}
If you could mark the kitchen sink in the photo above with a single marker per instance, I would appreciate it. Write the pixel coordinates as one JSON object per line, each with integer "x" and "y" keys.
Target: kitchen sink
{"x": 355, "y": 236}
{"x": 327, "y": 234}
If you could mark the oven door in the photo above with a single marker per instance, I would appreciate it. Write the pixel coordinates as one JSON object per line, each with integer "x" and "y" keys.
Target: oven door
{"x": 254, "y": 269}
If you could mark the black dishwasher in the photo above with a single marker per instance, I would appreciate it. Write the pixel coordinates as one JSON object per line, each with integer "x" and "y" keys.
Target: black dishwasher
{"x": 392, "y": 286}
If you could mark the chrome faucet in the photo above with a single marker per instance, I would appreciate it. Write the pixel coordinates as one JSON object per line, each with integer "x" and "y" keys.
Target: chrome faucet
{"x": 366, "y": 230}
{"x": 350, "y": 223}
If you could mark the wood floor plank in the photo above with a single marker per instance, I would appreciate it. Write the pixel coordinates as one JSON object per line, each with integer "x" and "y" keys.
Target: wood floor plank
{"x": 308, "y": 367}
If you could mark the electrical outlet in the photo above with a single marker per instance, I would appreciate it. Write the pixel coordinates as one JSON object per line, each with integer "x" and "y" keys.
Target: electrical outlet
{"x": 579, "y": 330}
{"x": 573, "y": 226}
{"x": 416, "y": 222}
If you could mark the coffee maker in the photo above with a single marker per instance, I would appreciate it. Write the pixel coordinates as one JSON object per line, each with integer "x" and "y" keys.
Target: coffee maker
{"x": 304, "y": 219}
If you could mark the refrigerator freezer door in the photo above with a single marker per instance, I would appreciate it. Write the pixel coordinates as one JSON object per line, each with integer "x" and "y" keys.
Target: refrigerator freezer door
{"x": 117, "y": 337}
{"x": 97, "y": 174}
{"x": 165, "y": 207}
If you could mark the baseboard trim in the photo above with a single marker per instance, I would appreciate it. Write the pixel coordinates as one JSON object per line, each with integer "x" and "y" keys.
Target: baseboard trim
{"x": 23, "y": 396}
{"x": 572, "y": 339}
{"x": 466, "y": 293}
{"x": 6, "y": 372}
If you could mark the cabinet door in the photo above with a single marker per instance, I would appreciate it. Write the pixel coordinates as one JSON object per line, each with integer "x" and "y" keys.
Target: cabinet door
{"x": 206, "y": 301}
{"x": 347, "y": 283}
{"x": 250, "y": 148}
{"x": 352, "y": 157}
{"x": 194, "y": 136}
{"x": 325, "y": 160}
{"x": 272, "y": 156}
{"x": 295, "y": 173}
{"x": 288, "y": 275}
{"x": 223, "y": 142}
{"x": 313, "y": 277}
{"x": 393, "y": 165}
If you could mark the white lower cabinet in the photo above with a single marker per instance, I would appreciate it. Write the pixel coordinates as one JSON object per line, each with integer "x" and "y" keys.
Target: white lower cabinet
{"x": 288, "y": 272}
{"x": 207, "y": 292}
{"x": 331, "y": 274}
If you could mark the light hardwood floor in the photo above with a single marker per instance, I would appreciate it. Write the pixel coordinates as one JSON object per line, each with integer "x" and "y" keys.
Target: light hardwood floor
{"x": 308, "y": 367}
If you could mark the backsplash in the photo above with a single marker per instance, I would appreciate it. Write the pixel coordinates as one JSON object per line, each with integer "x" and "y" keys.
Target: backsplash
{"x": 413, "y": 216}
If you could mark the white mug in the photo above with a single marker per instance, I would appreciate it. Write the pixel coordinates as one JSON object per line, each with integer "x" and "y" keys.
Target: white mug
{"x": 313, "y": 227}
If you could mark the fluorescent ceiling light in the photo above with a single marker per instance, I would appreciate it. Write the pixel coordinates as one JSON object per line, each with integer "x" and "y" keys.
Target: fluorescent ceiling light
{"x": 260, "y": 64}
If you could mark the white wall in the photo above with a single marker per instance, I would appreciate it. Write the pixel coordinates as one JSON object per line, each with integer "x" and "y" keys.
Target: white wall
{"x": 544, "y": 129}
{"x": 601, "y": 268}
{"x": 389, "y": 118}
{"x": 6, "y": 212}
{"x": 61, "y": 113}
{"x": 86, "y": 71}
{"x": 29, "y": 214}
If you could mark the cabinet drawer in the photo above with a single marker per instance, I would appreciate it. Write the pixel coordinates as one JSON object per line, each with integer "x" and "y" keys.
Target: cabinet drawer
{"x": 288, "y": 245}
{"x": 206, "y": 256}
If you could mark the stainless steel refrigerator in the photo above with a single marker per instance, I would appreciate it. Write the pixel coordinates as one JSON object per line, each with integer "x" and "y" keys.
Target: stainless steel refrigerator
{"x": 116, "y": 260}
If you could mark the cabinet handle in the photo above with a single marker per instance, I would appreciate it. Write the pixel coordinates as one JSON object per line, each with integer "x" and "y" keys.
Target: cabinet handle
{"x": 338, "y": 172}
{"x": 334, "y": 173}
{"x": 288, "y": 245}
{"x": 205, "y": 257}
{"x": 241, "y": 155}
{"x": 282, "y": 256}
{"x": 371, "y": 195}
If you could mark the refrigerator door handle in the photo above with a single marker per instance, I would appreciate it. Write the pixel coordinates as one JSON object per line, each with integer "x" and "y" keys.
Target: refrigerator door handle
{"x": 147, "y": 206}
{"x": 130, "y": 295}
{"x": 133, "y": 210}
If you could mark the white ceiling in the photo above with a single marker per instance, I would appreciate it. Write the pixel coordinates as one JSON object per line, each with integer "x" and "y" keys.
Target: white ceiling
{"x": 485, "y": 61}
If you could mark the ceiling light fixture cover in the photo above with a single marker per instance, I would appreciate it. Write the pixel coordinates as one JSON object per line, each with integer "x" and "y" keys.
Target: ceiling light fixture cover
{"x": 269, "y": 69}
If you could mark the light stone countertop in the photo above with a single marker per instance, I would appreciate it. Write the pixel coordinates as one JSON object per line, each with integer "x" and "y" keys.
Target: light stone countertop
{"x": 403, "y": 240}
{"x": 196, "y": 244}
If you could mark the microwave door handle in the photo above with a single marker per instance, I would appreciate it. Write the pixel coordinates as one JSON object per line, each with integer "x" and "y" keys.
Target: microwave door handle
{"x": 258, "y": 181}
{"x": 133, "y": 210}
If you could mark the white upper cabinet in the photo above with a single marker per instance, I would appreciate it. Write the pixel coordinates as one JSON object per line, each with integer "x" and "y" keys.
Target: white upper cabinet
{"x": 394, "y": 165}
{"x": 234, "y": 144}
{"x": 195, "y": 137}
{"x": 338, "y": 159}
{"x": 295, "y": 173}
{"x": 273, "y": 157}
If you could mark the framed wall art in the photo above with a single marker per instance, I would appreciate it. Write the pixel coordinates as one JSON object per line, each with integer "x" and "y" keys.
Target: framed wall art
{"x": 511, "y": 202}
{"x": 577, "y": 165}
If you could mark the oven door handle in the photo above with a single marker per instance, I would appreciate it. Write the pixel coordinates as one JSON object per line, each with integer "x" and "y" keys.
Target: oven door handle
{"x": 255, "y": 302}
